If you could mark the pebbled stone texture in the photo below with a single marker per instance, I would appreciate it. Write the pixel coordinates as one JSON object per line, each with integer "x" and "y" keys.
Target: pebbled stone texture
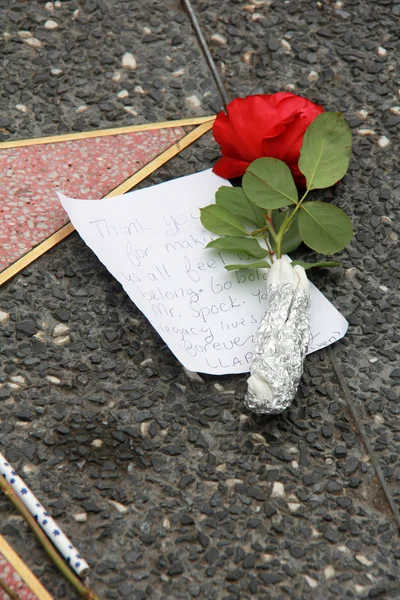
{"x": 343, "y": 56}
{"x": 72, "y": 81}
{"x": 220, "y": 504}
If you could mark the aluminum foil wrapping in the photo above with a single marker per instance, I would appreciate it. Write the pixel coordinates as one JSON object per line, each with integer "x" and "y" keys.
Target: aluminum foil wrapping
{"x": 281, "y": 340}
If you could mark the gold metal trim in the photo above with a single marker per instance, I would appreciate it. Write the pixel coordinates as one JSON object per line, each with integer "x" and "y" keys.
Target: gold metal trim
{"x": 127, "y": 185}
{"x": 22, "y": 569}
{"x": 68, "y": 137}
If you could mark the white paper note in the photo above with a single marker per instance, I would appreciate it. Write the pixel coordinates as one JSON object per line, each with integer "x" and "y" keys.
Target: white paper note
{"x": 152, "y": 241}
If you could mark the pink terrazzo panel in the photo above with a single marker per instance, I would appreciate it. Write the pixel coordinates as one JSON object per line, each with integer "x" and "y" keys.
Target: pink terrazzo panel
{"x": 14, "y": 581}
{"x": 89, "y": 168}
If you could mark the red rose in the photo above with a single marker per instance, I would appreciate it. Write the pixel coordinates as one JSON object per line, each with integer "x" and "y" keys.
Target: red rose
{"x": 263, "y": 125}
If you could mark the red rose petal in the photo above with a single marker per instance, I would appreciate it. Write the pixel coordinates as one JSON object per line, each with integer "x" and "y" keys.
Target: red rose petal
{"x": 263, "y": 125}
{"x": 298, "y": 176}
{"x": 286, "y": 146}
{"x": 277, "y": 98}
{"x": 254, "y": 118}
{"x": 311, "y": 111}
{"x": 230, "y": 168}
{"x": 226, "y": 136}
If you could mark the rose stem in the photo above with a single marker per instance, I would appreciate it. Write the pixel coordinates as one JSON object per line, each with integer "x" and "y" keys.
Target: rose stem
{"x": 286, "y": 224}
{"x": 271, "y": 230}
{"x": 8, "y": 591}
{"x": 84, "y": 591}
{"x": 270, "y": 251}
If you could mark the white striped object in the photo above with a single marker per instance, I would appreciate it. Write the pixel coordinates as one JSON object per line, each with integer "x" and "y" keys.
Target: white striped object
{"x": 49, "y": 526}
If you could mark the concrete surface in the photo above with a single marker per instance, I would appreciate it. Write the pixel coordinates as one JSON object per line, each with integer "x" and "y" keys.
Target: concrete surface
{"x": 186, "y": 494}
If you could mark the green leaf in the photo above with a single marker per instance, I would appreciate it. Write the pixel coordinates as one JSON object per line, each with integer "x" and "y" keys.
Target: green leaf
{"x": 292, "y": 238}
{"x": 221, "y": 221}
{"x": 268, "y": 183}
{"x": 235, "y": 200}
{"x": 326, "y": 149}
{"x": 239, "y": 244}
{"x": 261, "y": 264}
{"x": 306, "y": 266}
{"x": 324, "y": 227}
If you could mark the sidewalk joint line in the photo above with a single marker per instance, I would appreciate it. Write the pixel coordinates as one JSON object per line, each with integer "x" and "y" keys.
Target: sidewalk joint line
{"x": 361, "y": 429}
{"x": 206, "y": 51}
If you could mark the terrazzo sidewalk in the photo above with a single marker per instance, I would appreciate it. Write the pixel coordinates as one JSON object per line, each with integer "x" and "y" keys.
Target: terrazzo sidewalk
{"x": 88, "y": 168}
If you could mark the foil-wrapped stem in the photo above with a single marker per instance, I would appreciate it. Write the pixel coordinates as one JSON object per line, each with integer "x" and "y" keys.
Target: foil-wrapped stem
{"x": 281, "y": 340}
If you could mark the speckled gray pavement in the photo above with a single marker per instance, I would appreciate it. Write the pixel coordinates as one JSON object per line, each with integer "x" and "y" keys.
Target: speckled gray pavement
{"x": 166, "y": 484}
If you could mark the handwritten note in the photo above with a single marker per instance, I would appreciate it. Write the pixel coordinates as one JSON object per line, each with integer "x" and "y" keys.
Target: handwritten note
{"x": 152, "y": 241}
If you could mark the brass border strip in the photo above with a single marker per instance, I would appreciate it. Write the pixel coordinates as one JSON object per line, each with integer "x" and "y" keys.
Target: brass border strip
{"x": 67, "y": 137}
{"x": 23, "y": 570}
{"x": 62, "y": 233}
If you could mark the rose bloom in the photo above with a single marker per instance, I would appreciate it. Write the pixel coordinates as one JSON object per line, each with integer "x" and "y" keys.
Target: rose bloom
{"x": 263, "y": 125}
